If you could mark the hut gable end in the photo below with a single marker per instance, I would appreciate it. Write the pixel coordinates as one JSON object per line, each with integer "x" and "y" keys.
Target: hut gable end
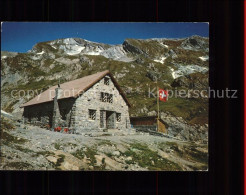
{"x": 106, "y": 103}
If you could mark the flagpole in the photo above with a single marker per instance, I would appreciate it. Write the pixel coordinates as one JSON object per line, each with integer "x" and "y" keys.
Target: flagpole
{"x": 158, "y": 109}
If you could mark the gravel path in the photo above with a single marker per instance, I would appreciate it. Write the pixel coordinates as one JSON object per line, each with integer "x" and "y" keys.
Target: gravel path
{"x": 34, "y": 148}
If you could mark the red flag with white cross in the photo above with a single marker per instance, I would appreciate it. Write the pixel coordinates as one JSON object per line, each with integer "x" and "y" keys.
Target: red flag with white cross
{"x": 163, "y": 95}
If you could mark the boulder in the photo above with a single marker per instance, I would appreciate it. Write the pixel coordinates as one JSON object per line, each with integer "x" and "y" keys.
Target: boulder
{"x": 52, "y": 159}
{"x": 116, "y": 153}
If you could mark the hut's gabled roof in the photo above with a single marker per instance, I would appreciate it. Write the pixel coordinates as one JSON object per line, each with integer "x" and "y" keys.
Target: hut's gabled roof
{"x": 73, "y": 89}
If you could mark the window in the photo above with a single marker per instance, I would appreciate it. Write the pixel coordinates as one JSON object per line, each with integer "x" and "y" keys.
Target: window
{"x": 92, "y": 114}
{"x": 106, "y": 97}
{"x": 106, "y": 80}
{"x": 110, "y": 98}
{"x": 118, "y": 117}
{"x": 103, "y": 97}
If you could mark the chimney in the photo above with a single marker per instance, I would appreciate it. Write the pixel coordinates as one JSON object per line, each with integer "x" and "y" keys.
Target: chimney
{"x": 56, "y": 111}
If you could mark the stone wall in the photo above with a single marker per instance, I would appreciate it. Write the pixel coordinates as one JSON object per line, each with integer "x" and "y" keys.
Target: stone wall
{"x": 145, "y": 128}
{"x": 40, "y": 113}
{"x": 43, "y": 113}
{"x": 91, "y": 100}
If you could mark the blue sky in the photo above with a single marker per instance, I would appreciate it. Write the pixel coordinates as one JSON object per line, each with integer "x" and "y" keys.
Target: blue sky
{"x": 22, "y": 36}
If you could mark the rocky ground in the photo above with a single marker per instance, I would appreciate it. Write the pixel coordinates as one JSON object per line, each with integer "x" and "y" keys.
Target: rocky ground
{"x": 25, "y": 147}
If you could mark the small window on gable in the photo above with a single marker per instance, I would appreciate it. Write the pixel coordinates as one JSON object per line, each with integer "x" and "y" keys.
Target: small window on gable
{"x": 110, "y": 98}
{"x": 106, "y": 80}
{"x": 118, "y": 117}
{"x": 103, "y": 97}
{"x": 106, "y": 97}
{"x": 92, "y": 114}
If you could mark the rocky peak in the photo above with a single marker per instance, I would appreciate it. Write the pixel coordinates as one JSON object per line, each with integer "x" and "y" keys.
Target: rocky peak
{"x": 130, "y": 46}
{"x": 195, "y": 43}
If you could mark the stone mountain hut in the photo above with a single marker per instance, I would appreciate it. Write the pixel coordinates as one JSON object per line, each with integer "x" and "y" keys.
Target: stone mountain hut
{"x": 94, "y": 102}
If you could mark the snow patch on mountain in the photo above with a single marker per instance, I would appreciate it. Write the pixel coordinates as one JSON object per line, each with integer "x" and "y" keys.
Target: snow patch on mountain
{"x": 91, "y": 41}
{"x": 3, "y": 57}
{"x": 40, "y": 53}
{"x": 54, "y": 42}
{"x": 74, "y": 46}
{"x": 164, "y": 45}
{"x": 6, "y": 114}
{"x": 71, "y": 49}
{"x": 74, "y": 50}
{"x": 161, "y": 60}
{"x": 36, "y": 57}
{"x": 93, "y": 51}
{"x": 172, "y": 72}
{"x": 204, "y": 58}
{"x": 69, "y": 41}
{"x": 69, "y": 45}
{"x": 186, "y": 70}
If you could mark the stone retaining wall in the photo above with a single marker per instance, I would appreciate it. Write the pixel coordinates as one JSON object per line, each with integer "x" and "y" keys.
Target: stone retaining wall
{"x": 145, "y": 128}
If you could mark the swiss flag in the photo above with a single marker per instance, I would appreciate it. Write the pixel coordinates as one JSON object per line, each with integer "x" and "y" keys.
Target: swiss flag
{"x": 163, "y": 95}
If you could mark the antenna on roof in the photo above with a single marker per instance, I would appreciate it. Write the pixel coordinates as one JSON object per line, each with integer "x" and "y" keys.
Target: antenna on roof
{"x": 59, "y": 83}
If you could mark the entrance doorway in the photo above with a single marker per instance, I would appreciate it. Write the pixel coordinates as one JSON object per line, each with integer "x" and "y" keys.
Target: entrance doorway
{"x": 110, "y": 119}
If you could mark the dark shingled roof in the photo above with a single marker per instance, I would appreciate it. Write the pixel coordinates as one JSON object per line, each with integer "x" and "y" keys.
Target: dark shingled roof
{"x": 73, "y": 89}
